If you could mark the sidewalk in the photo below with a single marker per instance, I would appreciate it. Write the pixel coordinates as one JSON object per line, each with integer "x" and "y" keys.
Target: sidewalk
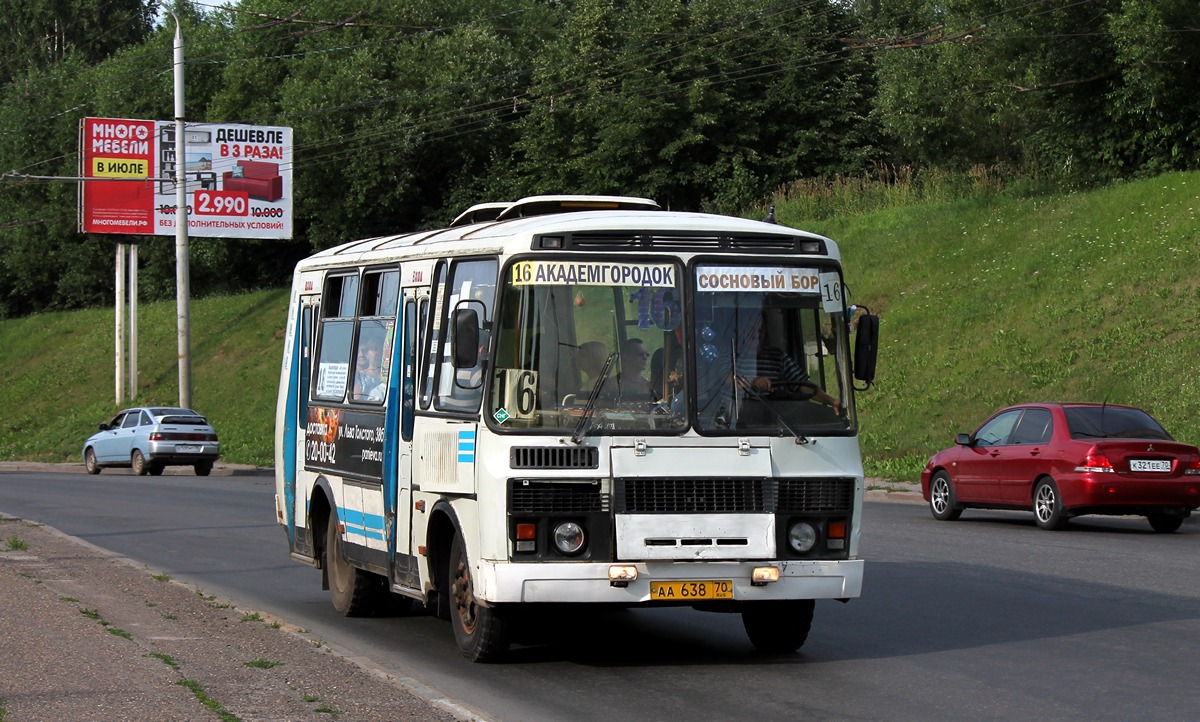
{"x": 88, "y": 635}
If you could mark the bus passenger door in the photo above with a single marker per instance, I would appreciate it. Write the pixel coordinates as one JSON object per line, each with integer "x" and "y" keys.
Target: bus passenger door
{"x": 398, "y": 446}
{"x": 297, "y": 416}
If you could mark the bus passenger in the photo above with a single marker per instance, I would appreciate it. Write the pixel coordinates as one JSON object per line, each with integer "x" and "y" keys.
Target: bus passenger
{"x": 632, "y": 384}
{"x": 368, "y": 374}
{"x": 592, "y": 355}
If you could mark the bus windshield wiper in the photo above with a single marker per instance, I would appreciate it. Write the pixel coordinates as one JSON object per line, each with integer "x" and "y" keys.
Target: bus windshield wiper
{"x": 754, "y": 394}
{"x": 593, "y": 396}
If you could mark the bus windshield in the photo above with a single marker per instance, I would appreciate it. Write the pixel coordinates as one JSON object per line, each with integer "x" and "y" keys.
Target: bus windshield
{"x": 563, "y": 322}
{"x": 771, "y": 351}
{"x": 765, "y": 349}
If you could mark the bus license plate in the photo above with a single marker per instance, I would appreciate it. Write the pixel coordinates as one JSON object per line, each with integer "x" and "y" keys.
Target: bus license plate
{"x": 709, "y": 589}
{"x": 181, "y": 449}
{"x": 1150, "y": 465}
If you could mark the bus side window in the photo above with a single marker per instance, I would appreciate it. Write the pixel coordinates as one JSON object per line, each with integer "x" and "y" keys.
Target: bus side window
{"x": 408, "y": 368}
{"x": 472, "y": 286}
{"x": 376, "y": 329}
{"x": 430, "y": 343}
{"x": 337, "y": 330}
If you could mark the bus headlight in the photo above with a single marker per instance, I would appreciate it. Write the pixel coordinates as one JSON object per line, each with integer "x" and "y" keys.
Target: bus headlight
{"x": 569, "y": 538}
{"x": 801, "y": 537}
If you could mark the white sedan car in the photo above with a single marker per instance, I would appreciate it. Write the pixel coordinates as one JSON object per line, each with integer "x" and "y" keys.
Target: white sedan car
{"x": 150, "y": 438}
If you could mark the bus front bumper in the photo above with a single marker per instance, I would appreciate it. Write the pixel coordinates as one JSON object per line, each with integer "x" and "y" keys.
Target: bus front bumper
{"x": 589, "y": 583}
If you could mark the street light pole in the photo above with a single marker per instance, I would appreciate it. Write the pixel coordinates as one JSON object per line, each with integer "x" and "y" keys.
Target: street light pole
{"x": 182, "y": 282}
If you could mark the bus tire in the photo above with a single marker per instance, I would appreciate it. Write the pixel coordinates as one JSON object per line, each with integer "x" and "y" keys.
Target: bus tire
{"x": 355, "y": 592}
{"x": 482, "y": 632}
{"x": 778, "y": 627}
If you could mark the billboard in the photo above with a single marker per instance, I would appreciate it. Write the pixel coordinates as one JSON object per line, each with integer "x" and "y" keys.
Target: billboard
{"x": 239, "y": 178}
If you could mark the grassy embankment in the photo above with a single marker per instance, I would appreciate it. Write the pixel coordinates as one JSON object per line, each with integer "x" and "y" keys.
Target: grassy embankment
{"x": 994, "y": 299}
{"x": 986, "y": 299}
{"x": 57, "y": 384}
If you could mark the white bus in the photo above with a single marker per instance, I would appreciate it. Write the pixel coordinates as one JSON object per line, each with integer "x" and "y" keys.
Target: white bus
{"x": 576, "y": 400}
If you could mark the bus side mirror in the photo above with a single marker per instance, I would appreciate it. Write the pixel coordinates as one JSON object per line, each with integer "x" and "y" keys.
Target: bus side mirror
{"x": 866, "y": 347}
{"x": 465, "y": 342}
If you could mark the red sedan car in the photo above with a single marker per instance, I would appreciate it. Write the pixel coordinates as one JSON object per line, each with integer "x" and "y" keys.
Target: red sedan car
{"x": 1065, "y": 460}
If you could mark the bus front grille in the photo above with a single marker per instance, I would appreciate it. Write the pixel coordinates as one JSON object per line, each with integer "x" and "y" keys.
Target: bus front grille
{"x": 833, "y": 496}
{"x": 526, "y": 496}
{"x": 554, "y": 457}
{"x": 728, "y": 496}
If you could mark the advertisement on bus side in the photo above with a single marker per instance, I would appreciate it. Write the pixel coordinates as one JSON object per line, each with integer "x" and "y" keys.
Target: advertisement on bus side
{"x": 347, "y": 442}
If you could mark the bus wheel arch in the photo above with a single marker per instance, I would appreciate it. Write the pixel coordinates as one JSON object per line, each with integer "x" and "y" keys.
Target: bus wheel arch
{"x": 319, "y": 513}
{"x": 443, "y": 527}
{"x": 481, "y": 631}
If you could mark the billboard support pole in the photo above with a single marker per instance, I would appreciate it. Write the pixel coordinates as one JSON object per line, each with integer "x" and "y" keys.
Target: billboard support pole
{"x": 133, "y": 318}
{"x": 119, "y": 331}
{"x": 182, "y": 282}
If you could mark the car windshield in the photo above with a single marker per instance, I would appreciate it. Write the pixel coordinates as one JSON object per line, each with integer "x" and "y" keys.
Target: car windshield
{"x": 1112, "y": 422}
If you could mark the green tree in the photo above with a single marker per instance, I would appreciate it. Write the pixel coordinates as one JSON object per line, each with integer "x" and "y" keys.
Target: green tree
{"x": 1081, "y": 91}
{"x": 38, "y": 35}
{"x": 1154, "y": 104}
{"x": 706, "y": 104}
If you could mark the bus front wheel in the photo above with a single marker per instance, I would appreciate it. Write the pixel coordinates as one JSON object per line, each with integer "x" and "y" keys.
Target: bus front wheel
{"x": 482, "y": 632}
{"x": 778, "y": 627}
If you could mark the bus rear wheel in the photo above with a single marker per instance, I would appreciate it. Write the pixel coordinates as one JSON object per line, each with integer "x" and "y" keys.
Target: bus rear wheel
{"x": 778, "y": 627}
{"x": 355, "y": 593}
{"x": 482, "y": 632}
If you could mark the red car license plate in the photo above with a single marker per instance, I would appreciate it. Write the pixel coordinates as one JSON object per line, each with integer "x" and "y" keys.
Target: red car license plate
{"x": 1159, "y": 465}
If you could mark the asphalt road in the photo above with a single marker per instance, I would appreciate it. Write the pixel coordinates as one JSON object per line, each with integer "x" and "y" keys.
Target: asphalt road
{"x": 988, "y": 618}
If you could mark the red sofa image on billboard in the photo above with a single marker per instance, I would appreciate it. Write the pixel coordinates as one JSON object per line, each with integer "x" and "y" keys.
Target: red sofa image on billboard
{"x": 257, "y": 179}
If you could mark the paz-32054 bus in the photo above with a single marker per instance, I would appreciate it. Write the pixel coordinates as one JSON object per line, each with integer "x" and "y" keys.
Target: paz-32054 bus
{"x": 573, "y": 400}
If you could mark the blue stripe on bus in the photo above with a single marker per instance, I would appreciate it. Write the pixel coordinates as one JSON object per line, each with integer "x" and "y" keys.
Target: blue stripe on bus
{"x": 361, "y": 524}
{"x": 466, "y": 446}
